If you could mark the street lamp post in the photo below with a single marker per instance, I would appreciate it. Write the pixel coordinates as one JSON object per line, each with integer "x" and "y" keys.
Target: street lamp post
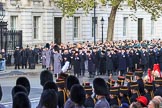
{"x": 102, "y": 23}
{"x": 94, "y": 23}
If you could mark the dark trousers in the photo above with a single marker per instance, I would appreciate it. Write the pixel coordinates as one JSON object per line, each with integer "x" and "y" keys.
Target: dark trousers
{"x": 91, "y": 74}
{"x": 109, "y": 72}
{"x": 36, "y": 59}
{"x": 24, "y": 65}
{"x": 144, "y": 68}
{"x": 17, "y": 66}
{"x": 83, "y": 72}
{"x": 122, "y": 72}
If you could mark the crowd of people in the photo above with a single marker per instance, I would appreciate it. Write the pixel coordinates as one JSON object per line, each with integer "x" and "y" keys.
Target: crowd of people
{"x": 126, "y": 59}
{"x": 117, "y": 57}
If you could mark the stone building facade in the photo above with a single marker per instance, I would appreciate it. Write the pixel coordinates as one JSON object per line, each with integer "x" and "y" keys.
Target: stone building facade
{"x": 42, "y": 22}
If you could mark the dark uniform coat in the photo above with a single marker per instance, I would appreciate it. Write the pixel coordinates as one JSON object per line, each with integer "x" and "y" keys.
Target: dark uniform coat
{"x": 115, "y": 61}
{"x": 144, "y": 60}
{"x": 17, "y": 56}
{"x": 137, "y": 57}
{"x": 131, "y": 63}
{"x": 122, "y": 61}
{"x": 24, "y": 57}
{"x": 31, "y": 57}
{"x": 158, "y": 92}
{"x": 77, "y": 69}
{"x": 82, "y": 60}
{"x": 114, "y": 102}
{"x": 141, "y": 86}
{"x": 89, "y": 103}
{"x": 159, "y": 56}
{"x": 133, "y": 97}
{"x": 151, "y": 59}
{"x": 148, "y": 96}
{"x": 96, "y": 60}
{"x": 61, "y": 100}
{"x": 102, "y": 64}
{"x": 91, "y": 64}
{"x": 124, "y": 100}
{"x": 109, "y": 62}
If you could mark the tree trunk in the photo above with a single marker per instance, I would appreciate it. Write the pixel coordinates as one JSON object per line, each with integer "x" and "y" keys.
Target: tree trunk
{"x": 111, "y": 22}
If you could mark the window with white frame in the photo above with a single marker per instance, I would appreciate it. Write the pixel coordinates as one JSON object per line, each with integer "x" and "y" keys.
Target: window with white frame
{"x": 76, "y": 27}
{"x": 93, "y": 20}
{"x": 13, "y": 22}
{"x": 36, "y": 27}
{"x": 152, "y": 27}
{"x": 125, "y": 26}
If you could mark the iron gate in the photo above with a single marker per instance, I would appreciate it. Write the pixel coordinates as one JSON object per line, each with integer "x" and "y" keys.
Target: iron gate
{"x": 11, "y": 39}
{"x": 14, "y": 38}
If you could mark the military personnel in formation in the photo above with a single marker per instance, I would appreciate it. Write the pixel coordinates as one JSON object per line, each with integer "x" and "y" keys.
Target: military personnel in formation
{"x": 24, "y": 58}
{"x": 159, "y": 56}
{"x": 138, "y": 75}
{"x": 57, "y": 60}
{"x": 36, "y": 54}
{"x": 109, "y": 63}
{"x": 82, "y": 56}
{"x": 149, "y": 91}
{"x": 114, "y": 96}
{"x": 152, "y": 58}
{"x": 77, "y": 68}
{"x": 144, "y": 59}
{"x": 91, "y": 64}
{"x": 48, "y": 56}
{"x": 134, "y": 91}
{"x": 100, "y": 89}
{"x": 70, "y": 81}
{"x": 158, "y": 85}
{"x": 17, "y": 57}
{"x": 44, "y": 58}
{"x": 62, "y": 97}
{"x": 89, "y": 101}
{"x": 31, "y": 59}
{"x": 124, "y": 95}
{"x": 122, "y": 62}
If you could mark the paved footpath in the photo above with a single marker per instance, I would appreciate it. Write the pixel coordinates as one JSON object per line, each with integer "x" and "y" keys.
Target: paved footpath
{"x": 10, "y": 71}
